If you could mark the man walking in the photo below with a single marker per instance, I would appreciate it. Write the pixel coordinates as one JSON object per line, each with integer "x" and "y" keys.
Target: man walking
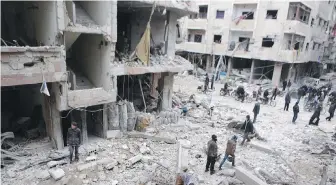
{"x": 316, "y": 116}
{"x": 230, "y": 151}
{"x": 275, "y": 92}
{"x": 256, "y": 110}
{"x": 287, "y": 101}
{"x": 73, "y": 140}
{"x": 331, "y": 111}
{"x": 212, "y": 154}
{"x": 289, "y": 84}
{"x": 284, "y": 85}
{"x": 248, "y": 128}
{"x": 296, "y": 111}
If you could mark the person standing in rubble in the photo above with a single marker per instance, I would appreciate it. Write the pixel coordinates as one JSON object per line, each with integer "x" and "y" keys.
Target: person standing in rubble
{"x": 289, "y": 84}
{"x": 212, "y": 82}
{"x": 287, "y": 101}
{"x": 206, "y": 82}
{"x": 275, "y": 92}
{"x": 284, "y": 85}
{"x": 248, "y": 129}
{"x": 230, "y": 151}
{"x": 296, "y": 111}
{"x": 212, "y": 150}
{"x": 73, "y": 140}
{"x": 331, "y": 111}
{"x": 316, "y": 116}
{"x": 256, "y": 110}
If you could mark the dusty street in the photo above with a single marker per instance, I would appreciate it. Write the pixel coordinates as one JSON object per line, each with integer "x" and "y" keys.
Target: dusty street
{"x": 284, "y": 158}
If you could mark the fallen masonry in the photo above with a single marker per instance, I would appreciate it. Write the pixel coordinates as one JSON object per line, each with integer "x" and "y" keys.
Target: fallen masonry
{"x": 57, "y": 173}
{"x": 86, "y": 166}
{"x": 247, "y": 177}
{"x": 151, "y": 137}
{"x": 261, "y": 147}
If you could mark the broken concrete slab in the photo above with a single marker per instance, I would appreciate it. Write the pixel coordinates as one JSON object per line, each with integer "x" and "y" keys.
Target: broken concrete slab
{"x": 200, "y": 179}
{"x": 57, "y": 173}
{"x": 185, "y": 143}
{"x": 86, "y": 166}
{"x": 111, "y": 165}
{"x": 91, "y": 158}
{"x": 52, "y": 164}
{"x": 105, "y": 161}
{"x": 262, "y": 147}
{"x": 247, "y": 177}
{"x": 135, "y": 159}
{"x": 43, "y": 175}
{"x": 227, "y": 172}
{"x": 114, "y": 134}
{"x": 151, "y": 137}
{"x": 234, "y": 181}
{"x": 83, "y": 176}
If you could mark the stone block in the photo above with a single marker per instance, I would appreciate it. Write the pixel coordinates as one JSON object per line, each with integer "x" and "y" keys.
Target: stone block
{"x": 151, "y": 137}
{"x": 57, "y": 173}
{"x": 228, "y": 172}
{"x": 52, "y": 164}
{"x": 83, "y": 176}
{"x": 247, "y": 177}
{"x": 114, "y": 134}
{"x": 91, "y": 158}
{"x": 135, "y": 159}
{"x": 86, "y": 166}
{"x": 43, "y": 175}
{"x": 200, "y": 179}
{"x": 104, "y": 161}
{"x": 185, "y": 143}
{"x": 262, "y": 148}
{"x": 111, "y": 165}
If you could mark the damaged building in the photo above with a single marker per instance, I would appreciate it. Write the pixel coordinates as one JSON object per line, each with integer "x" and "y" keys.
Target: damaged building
{"x": 261, "y": 39}
{"x": 65, "y": 61}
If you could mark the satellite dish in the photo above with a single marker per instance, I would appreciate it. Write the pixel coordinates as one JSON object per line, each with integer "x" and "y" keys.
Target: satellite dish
{"x": 232, "y": 45}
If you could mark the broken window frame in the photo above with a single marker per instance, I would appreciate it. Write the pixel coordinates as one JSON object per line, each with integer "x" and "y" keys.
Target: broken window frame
{"x": 219, "y": 17}
{"x": 276, "y": 15}
{"x": 189, "y": 37}
{"x": 265, "y": 42}
{"x": 198, "y": 40}
{"x": 203, "y": 15}
{"x": 217, "y": 40}
{"x": 243, "y": 42}
{"x": 248, "y": 15}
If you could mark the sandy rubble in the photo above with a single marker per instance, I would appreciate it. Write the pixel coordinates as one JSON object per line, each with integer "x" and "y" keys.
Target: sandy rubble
{"x": 291, "y": 162}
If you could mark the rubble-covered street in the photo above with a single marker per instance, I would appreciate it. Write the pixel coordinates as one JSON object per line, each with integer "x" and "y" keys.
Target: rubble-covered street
{"x": 290, "y": 153}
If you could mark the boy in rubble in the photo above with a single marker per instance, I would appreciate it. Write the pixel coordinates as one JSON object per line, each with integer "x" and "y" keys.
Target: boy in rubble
{"x": 73, "y": 140}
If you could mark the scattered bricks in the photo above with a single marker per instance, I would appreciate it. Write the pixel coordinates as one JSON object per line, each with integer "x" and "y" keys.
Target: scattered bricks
{"x": 111, "y": 165}
{"x": 91, "y": 158}
{"x": 247, "y": 177}
{"x": 105, "y": 161}
{"x": 43, "y": 175}
{"x": 52, "y": 164}
{"x": 86, "y": 166}
{"x": 228, "y": 172}
{"x": 57, "y": 173}
{"x": 151, "y": 137}
{"x": 135, "y": 159}
{"x": 147, "y": 159}
{"x": 114, "y": 134}
{"x": 262, "y": 148}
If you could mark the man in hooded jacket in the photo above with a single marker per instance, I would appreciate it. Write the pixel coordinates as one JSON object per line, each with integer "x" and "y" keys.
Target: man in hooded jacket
{"x": 212, "y": 150}
{"x": 248, "y": 129}
{"x": 230, "y": 151}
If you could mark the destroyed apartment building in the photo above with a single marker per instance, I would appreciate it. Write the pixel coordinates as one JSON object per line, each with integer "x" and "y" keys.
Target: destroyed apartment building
{"x": 91, "y": 62}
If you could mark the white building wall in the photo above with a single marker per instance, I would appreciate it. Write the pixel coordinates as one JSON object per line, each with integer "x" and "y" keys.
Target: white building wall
{"x": 260, "y": 27}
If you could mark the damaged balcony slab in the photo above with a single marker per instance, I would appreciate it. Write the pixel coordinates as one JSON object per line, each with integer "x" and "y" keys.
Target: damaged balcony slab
{"x": 30, "y": 65}
{"x": 159, "y": 64}
{"x": 89, "y": 97}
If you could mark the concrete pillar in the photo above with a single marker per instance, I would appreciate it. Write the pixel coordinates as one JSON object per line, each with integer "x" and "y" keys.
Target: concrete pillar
{"x": 172, "y": 34}
{"x": 105, "y": 120}
{"x": 229, "y": 67}
{"x": 84, "y": 127}
{"x": 208, "y": 64}
{"x": 155, "y": 81}
{"x": 166, "y": 91}
{"x": 252, "y": 71}
{"x": 297, "y": 13}
{"x": 276, "y": 73}
{"x": 56, "y": 125}
{"x": 213, "y": 63}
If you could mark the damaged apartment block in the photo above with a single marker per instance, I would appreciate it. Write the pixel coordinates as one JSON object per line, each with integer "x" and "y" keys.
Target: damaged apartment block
{"x": 66, "y": 61}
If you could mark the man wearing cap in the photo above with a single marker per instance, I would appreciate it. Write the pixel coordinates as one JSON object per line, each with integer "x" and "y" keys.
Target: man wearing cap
{"x": 212, "y": 154}
{"x": 73, "y": 140}
{"x": 230, "y": 150}
{"x": 248, "y": 128}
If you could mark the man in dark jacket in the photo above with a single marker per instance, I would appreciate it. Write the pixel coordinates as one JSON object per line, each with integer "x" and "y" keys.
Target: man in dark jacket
{"x": 289, "y": 84}
{"x": 287, "y": 101}
{"x": 316, "y": 116}
{"x": 212, "y": 154}
{"x": 230, "y": 151}
{"x": 256, "y": 110}
{"x": 248, "y": 129}
{"x": 275, "y": 92}
{"x": 296, "y": 111}
{"x": 266, "y": 95}
{"x": 206, "y": 82}
{"x": 284, "y": 85}
{"x": 73, "y": 140}
{"x": 331, "y": 111}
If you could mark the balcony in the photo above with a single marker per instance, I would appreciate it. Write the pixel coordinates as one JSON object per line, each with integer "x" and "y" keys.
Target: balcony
{"x": 32, "y": 65}
{"x": 199, "y": 24}
{"x": 89, "y": 97}
{"x": 297, "y": 27}
{"x": 242, "y": 25}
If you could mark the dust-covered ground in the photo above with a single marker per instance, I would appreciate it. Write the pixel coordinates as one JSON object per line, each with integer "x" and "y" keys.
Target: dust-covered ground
{"x": 290, "y": 154}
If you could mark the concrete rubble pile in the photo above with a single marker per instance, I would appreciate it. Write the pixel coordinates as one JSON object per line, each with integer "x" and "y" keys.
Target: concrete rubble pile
{"x": 168, "y": 117}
